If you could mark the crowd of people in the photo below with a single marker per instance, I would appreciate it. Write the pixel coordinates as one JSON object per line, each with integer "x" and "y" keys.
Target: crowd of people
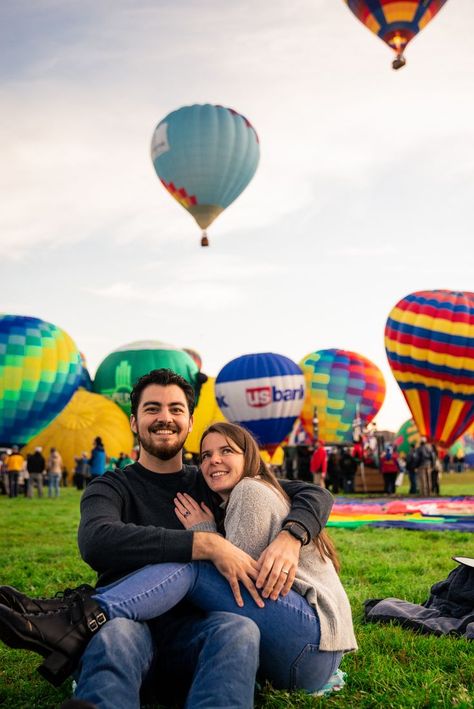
{"x": 21, "y": 475}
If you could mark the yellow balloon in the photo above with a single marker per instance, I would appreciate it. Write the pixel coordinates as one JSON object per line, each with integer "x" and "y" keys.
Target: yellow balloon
{"x": 205, "y": 413}
{"x": 73, "y": 431}
{"x": 276, "y": 459}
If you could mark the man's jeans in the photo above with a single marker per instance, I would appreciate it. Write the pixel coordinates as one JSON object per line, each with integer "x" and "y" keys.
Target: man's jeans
{"x": 218, "y": 653}
{"x": 289, "y": 627}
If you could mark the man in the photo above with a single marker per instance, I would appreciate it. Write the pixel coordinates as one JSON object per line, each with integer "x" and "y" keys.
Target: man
{"x": 128, "y": 521}
{"x": 425, "y": 460}
{"x": 14, "y": 464}
{"x": 319, "y": 463}
{"x": 36, "y": 466}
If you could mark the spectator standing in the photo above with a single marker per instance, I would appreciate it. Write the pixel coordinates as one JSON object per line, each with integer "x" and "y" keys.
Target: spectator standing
{"x": 435, "y": 472}
{"x": 14, "y": 464}
{"x": 425, "y": 460}
{"x": 348, "y": 470}
{"x": 124, "y": 460}
{"x": 411, "y": 469}
{"x": 4, "y": 474}
{"x": 334, "y": 473}
{"x": 389, "y": 469}
{"x": 54, "y": 467}
{"x": 303, "y": 456}
{"x": 98, "y": 459}
{"x": 36, "y": 466}
{"x": 319, "y": 464}
{"x": 82, "y": 471}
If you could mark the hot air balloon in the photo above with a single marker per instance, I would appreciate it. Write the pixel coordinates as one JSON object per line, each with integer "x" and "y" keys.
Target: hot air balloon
{"x": 263, "y": 392}
{"x": 341, "y": 386}
{"x": 396, "y": 22}
{"x": 86, "y": 416}
{"x": 205, "y": 413}
{"x": 195, "y": 356}
{"x": 40, "y": 369}
{"x": 205, "y": 156}
{"x": 464, "y": 448}
{"x": 406, "y": 435}
{"x": 118, "y": 372}
{"x": 429, "y": 340}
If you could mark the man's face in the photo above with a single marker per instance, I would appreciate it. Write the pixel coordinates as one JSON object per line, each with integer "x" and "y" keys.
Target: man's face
{"x": 162, "y": 422}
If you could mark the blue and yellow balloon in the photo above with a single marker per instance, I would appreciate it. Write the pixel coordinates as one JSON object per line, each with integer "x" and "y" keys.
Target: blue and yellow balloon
{"x": 205, "y": 156}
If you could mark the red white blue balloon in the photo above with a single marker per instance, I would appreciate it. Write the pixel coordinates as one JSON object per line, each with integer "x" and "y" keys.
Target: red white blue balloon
{"x": 263, "y": 392}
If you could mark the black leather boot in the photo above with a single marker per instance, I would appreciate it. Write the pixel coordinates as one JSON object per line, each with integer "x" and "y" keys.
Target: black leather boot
{"x": 21, "y": 603}
{"x": 60, "y": 636}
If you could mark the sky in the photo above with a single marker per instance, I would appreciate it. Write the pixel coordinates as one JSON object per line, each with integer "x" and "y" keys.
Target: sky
{"x": 363, "y": 194}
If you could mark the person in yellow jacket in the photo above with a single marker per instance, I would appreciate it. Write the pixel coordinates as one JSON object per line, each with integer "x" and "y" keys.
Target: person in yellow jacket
{"x": 14, "y": 464}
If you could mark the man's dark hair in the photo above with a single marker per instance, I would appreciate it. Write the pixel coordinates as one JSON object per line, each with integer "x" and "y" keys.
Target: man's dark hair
{"x": 164, "y": 378}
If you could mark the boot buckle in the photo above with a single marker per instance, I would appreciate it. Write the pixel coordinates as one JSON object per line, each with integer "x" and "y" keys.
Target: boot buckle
{"x": 94, "y": 623}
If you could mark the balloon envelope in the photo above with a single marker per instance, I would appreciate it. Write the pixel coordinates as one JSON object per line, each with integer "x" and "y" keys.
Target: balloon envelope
{"x": 406, "y": 435}
{"x": 395, "y": 22}
{"x": 205, "y": 413}
{"x": 263, "y": 392}
{"x": 86, "y": 416}
{"x": 205, "y": 156}
{"x": 429, "y": 340}
{"x": 341, "y": 385}
{"x": 119, "y": 371}
{"x": 40, "y": 369}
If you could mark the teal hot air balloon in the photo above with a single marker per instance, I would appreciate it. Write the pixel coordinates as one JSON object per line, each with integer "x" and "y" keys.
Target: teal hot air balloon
{"x": 40, "y": 369}
{"x": 205, "y": 156}
{"x": 119, "y": 371}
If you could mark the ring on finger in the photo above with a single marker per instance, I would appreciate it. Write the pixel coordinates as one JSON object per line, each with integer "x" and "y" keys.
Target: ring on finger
{"x": 285, "y": 571}
{"x": 186, "y": 513}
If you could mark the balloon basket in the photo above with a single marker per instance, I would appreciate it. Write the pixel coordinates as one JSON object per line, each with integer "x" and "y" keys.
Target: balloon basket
{"x": 204, "y": 239}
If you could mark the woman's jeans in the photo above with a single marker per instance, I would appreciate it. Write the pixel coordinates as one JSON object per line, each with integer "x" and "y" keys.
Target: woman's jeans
{"x": 289, "y": 627}
{"x": 53, "y": 485}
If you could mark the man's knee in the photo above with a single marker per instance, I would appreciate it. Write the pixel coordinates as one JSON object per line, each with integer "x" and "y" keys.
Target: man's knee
{"x": 123, "y": 635}
{"x": 237, "y": 630}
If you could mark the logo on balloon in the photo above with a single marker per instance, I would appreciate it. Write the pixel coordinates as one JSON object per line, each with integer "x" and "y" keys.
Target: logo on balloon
{"x": 257, "y": 397}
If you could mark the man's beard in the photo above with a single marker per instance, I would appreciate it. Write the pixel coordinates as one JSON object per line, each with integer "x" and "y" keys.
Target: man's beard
{"x": 162, "y": 451}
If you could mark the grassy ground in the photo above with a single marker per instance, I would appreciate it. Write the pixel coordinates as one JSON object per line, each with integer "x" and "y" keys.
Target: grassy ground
{"x": 393, "y": 669}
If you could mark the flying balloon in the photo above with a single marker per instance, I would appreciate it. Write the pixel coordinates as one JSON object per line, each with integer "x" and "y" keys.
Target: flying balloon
{"x": 263, "y": 392}
{"x": 40, "y": 369}
{"x": 119, "y": 371}
{"x": 205, "y": 156}
{"x": 396, "y": 22}
{"x": 429, "y": 340}
{"x": 342, "y": 386}
{"x": 86, "y": 416}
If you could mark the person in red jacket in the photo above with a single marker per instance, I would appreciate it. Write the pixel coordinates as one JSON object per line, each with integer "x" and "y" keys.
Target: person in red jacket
{"x": 319, "y": 463}
{"x": 389, "y": 468}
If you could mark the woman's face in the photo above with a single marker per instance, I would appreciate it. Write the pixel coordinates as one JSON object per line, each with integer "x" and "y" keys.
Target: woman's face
{"x": 222, "y": 464}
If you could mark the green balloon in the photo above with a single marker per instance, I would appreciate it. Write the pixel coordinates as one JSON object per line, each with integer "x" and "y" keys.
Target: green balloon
{"x": 120, "y": 370}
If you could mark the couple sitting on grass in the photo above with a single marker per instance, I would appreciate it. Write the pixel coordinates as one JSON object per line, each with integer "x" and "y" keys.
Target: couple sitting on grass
{"x": 162, "y": 617}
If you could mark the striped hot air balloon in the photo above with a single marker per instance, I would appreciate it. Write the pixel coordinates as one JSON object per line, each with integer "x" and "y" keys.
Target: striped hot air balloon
{"x": 263, "y": 392}
{"x": 342, "y": 386}
{"x": 396, "y": 22}
{"x": 429, "y": 340}
{"x": 205, "y": 156}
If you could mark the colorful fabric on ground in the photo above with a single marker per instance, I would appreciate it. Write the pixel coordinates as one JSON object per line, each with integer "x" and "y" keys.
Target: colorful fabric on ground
{"x": 439, "y": 514}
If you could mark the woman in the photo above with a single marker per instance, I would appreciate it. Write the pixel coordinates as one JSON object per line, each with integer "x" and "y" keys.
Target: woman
{"x": 54, "y": 467}
{"x": 315, "y": 619}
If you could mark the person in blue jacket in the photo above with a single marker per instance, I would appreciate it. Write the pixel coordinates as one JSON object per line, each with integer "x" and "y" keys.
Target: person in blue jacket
{"x": 98, "y": 459}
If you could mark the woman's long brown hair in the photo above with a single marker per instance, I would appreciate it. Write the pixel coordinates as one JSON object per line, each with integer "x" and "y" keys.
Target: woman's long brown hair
{"x": 254, "y": 466}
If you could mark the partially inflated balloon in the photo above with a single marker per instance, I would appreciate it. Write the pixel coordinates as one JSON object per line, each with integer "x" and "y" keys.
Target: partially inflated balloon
{"x": 205, "y": 156}
{"x": 205, "y": 413}
{"x": 396, "y": 22}
{"x": 464, "y": 447}
{"x": 429, "y": 340}
{"x": 341, "y": 386}
{"x": 119, "y": 371}
{"x": 263, "y": 392}
{"x": 406, "y": 435}
{"x": 40, "y": 369}
{"x": 194, "y": 356}
{"x": 86, "y": 416}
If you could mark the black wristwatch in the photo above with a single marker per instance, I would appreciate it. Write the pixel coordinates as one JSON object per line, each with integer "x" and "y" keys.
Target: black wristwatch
{"x": 297, "y": 531}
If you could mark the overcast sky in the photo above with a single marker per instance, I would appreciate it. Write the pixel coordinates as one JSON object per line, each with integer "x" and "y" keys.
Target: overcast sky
{"x": 364, "y": 192}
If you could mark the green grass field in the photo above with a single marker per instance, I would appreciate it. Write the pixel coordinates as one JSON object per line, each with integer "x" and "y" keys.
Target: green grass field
{"x": 393, "y": 668}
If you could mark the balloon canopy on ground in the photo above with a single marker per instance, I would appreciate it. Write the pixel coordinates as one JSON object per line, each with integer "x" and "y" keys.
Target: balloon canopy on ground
{"x": 341, "y": 386}
{"x": 205, "y": 156}
{"x": 205, "y": 413}
{"x": 119, "y": 371}
{"x": 429, "y": 340}
{"x": 73, "y": 431}
{"x": 40, "y": 369}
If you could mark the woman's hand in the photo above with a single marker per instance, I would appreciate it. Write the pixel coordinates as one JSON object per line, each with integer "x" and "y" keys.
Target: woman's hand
{"x": 189, "y": 512}
{"x": 277, "y": 566}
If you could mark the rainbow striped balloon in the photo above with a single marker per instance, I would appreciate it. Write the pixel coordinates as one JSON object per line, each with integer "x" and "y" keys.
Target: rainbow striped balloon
{"x": 341, "y": 385}
{"x": 40, "y": 369}
{"x": 396, "y": 22}
{"x": 429, "y": 340}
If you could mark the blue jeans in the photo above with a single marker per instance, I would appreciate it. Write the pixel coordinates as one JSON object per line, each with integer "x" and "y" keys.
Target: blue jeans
{"x": 289, "y": 627}
{"x": 215, "y": 656}
{"x": 53, "y": 485}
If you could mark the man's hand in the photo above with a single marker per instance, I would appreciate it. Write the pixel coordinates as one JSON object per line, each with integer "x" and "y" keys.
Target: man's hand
{"x": 277, "y": 566}
{"x": 233, "y": 563}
